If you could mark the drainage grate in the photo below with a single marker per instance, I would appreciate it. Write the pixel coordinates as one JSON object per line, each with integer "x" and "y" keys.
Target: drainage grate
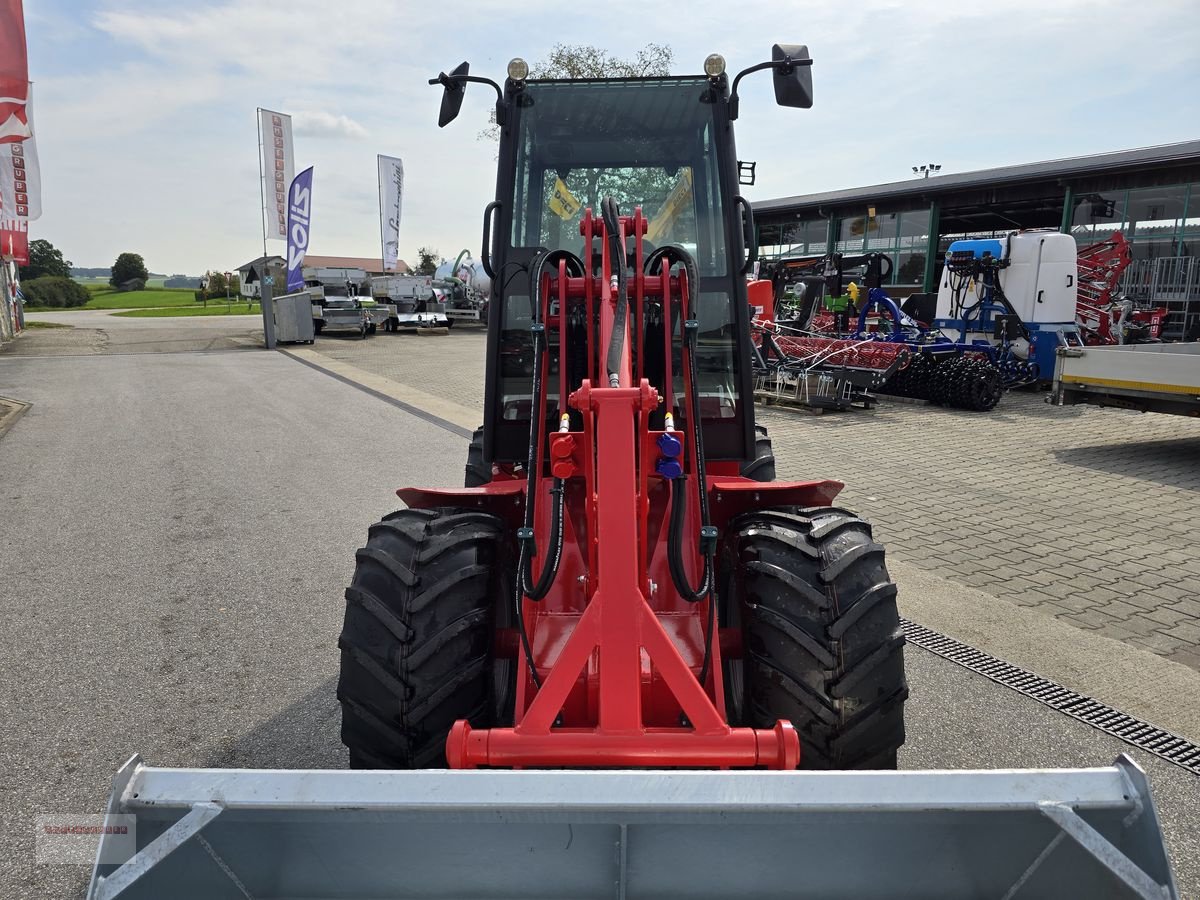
{"x": 1142, "y": 735}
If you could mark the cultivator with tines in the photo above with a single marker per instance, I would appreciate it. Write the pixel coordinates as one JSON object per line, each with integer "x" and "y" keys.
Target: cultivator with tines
{"x": 824, "y": 373}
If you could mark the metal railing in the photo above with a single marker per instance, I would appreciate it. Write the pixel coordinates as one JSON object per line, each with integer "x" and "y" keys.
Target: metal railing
{"x": 1171, "y": 281}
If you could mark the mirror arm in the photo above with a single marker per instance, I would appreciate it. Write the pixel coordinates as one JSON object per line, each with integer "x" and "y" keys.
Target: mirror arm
{"x": 785, "y": 65}
{"x": 459, "y": 82}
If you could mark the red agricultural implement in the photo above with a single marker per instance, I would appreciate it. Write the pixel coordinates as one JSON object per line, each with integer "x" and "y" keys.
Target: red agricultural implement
{"x": 1104, "y": 317}
{"x": 622, "y": 604}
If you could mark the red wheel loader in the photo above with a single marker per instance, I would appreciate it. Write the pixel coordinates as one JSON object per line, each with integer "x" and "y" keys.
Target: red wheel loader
{"x": 596, "y": 669}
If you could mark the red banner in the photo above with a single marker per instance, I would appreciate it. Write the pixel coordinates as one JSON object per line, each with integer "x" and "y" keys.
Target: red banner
{"x": 14, "y": 241}
{"x": 14, "y": 73}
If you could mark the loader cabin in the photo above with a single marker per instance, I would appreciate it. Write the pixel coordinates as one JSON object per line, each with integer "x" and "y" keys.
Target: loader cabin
{"x": 662, "y": 144}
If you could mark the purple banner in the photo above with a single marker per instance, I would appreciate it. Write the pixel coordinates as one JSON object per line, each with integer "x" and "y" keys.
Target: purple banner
{"x": 298, "y": 217}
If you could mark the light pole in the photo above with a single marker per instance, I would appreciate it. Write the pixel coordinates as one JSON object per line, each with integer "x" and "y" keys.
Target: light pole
{"x": 927, "y": 169}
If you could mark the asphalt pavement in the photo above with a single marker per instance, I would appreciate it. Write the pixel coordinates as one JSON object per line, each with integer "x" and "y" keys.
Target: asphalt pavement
{"x": 176, "y": 533}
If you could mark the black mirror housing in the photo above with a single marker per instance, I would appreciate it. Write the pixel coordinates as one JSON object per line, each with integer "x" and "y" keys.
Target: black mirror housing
{"x": 792, "y": 75}
{"x": 455, "y": 88}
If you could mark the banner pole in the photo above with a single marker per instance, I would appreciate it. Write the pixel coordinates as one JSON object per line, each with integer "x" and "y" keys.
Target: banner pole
{"x": 264, "y": 287}
{"x": 382, "y": 232}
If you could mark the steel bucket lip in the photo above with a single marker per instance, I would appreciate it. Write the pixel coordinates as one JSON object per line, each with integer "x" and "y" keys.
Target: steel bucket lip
{"x": 971, "y": 803}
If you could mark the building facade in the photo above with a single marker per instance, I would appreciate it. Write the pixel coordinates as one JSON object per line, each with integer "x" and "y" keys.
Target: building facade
{"x": 1151, "y": 195}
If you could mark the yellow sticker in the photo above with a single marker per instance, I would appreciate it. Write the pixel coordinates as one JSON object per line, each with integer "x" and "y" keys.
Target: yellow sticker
{"x": 563, "y": 204}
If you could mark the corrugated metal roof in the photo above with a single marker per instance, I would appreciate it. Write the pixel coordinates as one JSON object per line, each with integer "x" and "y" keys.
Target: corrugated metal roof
{"x": 1185, "y": 151}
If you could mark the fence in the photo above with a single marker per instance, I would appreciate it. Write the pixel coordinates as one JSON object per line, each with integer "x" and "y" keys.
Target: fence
{"x": 1170, "y": 281}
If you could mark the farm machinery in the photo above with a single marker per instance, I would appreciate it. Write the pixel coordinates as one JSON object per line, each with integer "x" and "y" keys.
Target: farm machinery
{"x": 831, "y": 328}
{"x": 600, "y": 668}
{"x": 1002, "y": 310}
{"x": 1104, "y": 317}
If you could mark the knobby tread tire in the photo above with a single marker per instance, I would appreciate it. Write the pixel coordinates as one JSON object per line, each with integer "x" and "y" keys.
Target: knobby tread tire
{"x": 762, "y": 467}
{"x": 823, "y": 644}
{"x": 478, "y": 473}
{"x": 416, "y": 645}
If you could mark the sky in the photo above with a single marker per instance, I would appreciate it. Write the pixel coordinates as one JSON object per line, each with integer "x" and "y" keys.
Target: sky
{"x": 145, "y": 111}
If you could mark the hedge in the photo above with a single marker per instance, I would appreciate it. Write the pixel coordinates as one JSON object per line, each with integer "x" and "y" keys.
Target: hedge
{"x": 51, "y": 290}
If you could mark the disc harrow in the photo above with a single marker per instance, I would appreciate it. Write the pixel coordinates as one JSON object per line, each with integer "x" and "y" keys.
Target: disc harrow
{"x": 960, "y": 381}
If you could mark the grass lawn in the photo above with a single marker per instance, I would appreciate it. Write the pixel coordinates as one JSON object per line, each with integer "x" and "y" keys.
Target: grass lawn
{"x": 142, "y": 299}
{"x": 29, "y": 325}
{"x": 107, "y": 298}
{"x": 214, "y": 309}
{"x": 92, "y": 282}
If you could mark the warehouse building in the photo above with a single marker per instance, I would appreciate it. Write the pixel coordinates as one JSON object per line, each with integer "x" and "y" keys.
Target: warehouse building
{"x": 1151, "y": 195}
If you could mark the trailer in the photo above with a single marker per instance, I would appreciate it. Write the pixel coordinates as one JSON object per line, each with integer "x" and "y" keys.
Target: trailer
{"x": 342, "y": 314}
{"x": 416, "y": 300}
{"x": 1161, "y": 378}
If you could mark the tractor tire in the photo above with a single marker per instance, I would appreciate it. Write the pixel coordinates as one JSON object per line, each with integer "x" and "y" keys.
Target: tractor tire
{"x": 478, "y": 472}
{"x": 822, "y": 641}
{"x": 762, "y": 467}
{"x": 417, "y": 640}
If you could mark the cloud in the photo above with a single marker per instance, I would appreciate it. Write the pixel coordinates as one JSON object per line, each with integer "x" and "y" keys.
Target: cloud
{"x": 146, "y": 125}
{"x": 321, "y": 124}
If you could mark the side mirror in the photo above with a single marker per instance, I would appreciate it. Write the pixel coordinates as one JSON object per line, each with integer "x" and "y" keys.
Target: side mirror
{"x": 792, "y": 74}
{"x": 455, "y": 88}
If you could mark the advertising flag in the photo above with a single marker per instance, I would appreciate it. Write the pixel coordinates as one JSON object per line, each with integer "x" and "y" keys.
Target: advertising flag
{"x": 20, "y": 188}
{"x": 14, "y": 73}
{"x": 299, "y": 215}
{"x": 20, "y": 177}
{"x": 564, "y": 204}
{"x": 278, "y": 170}
{"x": 391, "y": 193}
{"x": 14, "y": 241}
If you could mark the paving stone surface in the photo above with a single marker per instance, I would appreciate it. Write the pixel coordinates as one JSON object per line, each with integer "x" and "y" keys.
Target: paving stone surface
{"x": 1087, "y": 514}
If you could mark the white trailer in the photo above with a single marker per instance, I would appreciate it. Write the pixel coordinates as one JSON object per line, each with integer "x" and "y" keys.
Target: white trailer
{"x": 1148, "y": 377}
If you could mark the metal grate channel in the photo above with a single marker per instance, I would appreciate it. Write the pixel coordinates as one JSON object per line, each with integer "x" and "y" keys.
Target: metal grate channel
{"x": 1142, "y": 735}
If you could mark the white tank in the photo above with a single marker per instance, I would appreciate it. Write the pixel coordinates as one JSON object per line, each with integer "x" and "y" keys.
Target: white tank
{"x": 1039, "y": 280}
{"x": 469, "y": 271}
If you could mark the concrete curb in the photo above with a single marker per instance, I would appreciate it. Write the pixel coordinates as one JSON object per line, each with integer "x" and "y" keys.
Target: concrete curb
{"x": 1137, "y": 682}
{"x": 10, "y": 411}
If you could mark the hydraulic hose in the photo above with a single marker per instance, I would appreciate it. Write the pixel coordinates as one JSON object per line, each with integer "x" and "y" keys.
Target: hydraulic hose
{"x": 706, "y": 588}
{"x": 538, "y": 590}
{"x": 616, "y": 345}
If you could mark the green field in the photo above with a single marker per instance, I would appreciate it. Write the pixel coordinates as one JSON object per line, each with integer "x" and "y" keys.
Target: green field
{"x": 214, "y": 308}
{"x": 142, "y": 299}
{"x": 101, "y": 281}
{"x": 104, "y": 297}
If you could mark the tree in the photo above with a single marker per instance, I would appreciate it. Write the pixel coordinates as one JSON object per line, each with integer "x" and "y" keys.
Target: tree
{"x": 129, "y": 266}
{"x": 429, "y": 259}
{"x": 586, "y": 61}
{"x": 45, "y": 259}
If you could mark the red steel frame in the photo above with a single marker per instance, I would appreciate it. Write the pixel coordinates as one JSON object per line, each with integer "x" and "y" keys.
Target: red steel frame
{"x": 1100, "y": 267}
{"x": 618, "y": 651}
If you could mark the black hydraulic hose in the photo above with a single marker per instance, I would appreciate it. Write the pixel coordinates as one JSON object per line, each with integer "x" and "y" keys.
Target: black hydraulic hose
{"x": 676, "y": 254}
{"x": 674, "y": 549}
{"x": 538, "y": 590}
{"x": 525, "y": 536}
{"x": 518, "y": 598}
{"x": 616, "y": 344}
